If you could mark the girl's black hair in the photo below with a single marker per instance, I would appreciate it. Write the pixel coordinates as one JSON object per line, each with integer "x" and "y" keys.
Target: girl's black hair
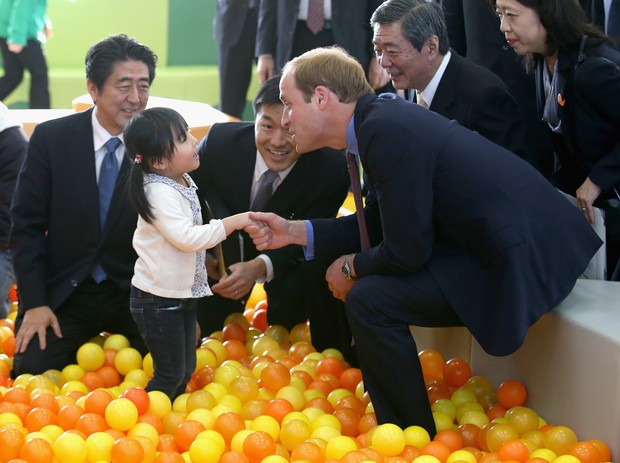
{"x": 150, "y": 137}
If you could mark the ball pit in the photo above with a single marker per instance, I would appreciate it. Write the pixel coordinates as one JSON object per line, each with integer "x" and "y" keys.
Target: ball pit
{"x": 264, "y": 395}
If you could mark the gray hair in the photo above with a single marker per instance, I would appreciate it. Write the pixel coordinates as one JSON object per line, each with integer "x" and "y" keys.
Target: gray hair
{"x": 419, "y": 19}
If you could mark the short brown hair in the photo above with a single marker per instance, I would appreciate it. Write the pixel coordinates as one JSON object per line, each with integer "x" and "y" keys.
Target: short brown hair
{"x": 331, "y": 67}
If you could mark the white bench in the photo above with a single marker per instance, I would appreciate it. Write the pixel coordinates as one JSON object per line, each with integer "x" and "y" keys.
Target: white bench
{"x": 570, "y": 361}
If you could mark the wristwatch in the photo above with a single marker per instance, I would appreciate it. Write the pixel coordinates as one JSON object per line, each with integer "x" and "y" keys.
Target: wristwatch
{"x": 346, "y": 268}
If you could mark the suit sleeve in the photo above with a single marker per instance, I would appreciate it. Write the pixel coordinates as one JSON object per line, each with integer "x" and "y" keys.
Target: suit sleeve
{"x": 599, "y": 83}
{"x": 29, "y": 213}
{"x": 266, "y": 32}
{"x": 323, "y": 203}
{"x": 455, "y": 24}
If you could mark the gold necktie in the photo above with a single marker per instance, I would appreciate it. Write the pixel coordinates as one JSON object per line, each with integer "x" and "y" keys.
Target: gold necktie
{"x": 420, "y": 100}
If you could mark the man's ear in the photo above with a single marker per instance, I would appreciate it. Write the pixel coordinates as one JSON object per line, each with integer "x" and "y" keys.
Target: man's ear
{"x": 433, "y": 46}
{"x": 93, "y": 91}
{"x": 321, "y": 94}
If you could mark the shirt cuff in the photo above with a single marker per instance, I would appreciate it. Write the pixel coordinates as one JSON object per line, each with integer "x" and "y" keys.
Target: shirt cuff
{"x": 309, "y": 248}
{"x": 269, "y": 266}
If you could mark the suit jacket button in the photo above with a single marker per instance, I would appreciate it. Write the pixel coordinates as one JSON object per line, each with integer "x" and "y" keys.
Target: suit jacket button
{"x": 74, "y": 283}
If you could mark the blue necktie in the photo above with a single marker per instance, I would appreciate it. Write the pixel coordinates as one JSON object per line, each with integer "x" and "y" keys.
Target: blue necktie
{"x": 107, "y": 181}
{"x": 107, "y": 178}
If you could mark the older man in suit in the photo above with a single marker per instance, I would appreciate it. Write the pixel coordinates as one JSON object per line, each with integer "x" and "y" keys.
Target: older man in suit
{"x": 233, "y": 159}
{"x": 73, "y": 263}
{"x": 234, "y": 30}
{"x": 284, "y": 31}
{"x": 411, "y": 43}
{"x": 462, "y": 231}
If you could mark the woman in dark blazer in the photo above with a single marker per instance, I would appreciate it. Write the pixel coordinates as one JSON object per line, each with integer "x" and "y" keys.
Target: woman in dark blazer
{"x": 578, "y": 91}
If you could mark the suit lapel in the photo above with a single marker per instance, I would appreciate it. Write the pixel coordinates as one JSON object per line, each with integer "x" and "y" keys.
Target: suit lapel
{"x": 82, "y": 162}
{"x": 446, "y": 90}
{"x": 118, "y": 203}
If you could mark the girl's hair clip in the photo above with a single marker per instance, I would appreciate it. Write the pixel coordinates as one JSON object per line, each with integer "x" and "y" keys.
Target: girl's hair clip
{"x": 137, "y": 159}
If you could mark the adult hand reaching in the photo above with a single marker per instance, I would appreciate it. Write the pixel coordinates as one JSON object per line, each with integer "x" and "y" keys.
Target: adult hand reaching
{"x": 35, "y": 322}
{"x": 275, "y": 232}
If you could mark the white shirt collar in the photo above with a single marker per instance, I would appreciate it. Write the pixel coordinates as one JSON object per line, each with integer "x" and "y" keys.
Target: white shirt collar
{"x": 101, "y": 135}
{"x": 429, "y": 92}
{"x": 260, "y": 167}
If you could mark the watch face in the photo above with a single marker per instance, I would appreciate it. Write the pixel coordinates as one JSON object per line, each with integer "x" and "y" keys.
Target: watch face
{"x": 346, "y": 270}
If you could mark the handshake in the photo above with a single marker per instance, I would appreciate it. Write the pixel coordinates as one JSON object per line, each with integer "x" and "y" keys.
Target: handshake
{"x": 270, "y": 231}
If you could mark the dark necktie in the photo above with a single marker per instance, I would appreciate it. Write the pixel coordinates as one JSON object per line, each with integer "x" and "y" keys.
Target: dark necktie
{"x": 613, "y": 22}
{"x": 316, "y": 18}
{"x": 264, "y": 190}
{"x": 354, "y": 173}
{"x": 107, "y": 181}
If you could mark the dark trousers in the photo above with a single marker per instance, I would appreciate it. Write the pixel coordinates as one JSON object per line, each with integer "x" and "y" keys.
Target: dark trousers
{"x": 168, "y": 327}
{"x": 235, "y": 67}
{"x": 90, "y": 310}
{"x": 304, "y": 40}
{"x": 32, "y": 59}
{"x": 380, "y": 309}
{"x": 329, "y": 326}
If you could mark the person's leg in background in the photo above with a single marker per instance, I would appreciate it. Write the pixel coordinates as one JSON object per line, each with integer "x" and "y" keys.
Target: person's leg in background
{"x": 33, "y": 59}
{"x": 235, "y": 67}
{"x": 13, "y": 71}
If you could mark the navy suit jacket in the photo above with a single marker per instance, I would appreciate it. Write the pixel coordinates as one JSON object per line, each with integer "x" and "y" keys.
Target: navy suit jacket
{"x": 55, "y": 239}
{"x": 350, "y": 23}
{"x": 503, "y": 245}
{"x": 589, "y": 145}
{"x": 479, "y": 100}
{"x": 315, "y": 187}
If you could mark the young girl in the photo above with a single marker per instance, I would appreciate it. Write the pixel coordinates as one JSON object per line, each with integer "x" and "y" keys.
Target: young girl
{"x": 170, "y": 240}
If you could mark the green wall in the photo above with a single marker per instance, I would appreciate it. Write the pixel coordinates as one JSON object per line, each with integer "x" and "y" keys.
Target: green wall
{"x": 180, "y": 32}
{"x": 190, "y": 33}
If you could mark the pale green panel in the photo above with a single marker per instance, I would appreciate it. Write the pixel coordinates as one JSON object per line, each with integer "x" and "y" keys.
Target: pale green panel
{"x": 77, "y": 24}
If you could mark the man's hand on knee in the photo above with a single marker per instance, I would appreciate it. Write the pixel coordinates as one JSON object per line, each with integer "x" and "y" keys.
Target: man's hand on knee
{"x": 35, "y": 322}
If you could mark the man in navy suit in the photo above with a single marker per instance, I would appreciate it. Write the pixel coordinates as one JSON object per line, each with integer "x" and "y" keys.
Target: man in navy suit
{"x": 233, "y": 157}
{"x": 57, "y": 241}
{"x": 411, "y": 44}
{"x": 462, "y": 231}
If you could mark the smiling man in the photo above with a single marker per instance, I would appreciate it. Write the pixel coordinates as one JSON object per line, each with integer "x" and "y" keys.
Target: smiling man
{"x": 71, "y": 249}
{"x": 411, "y": 43}
{"x": 234, "y": 157}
